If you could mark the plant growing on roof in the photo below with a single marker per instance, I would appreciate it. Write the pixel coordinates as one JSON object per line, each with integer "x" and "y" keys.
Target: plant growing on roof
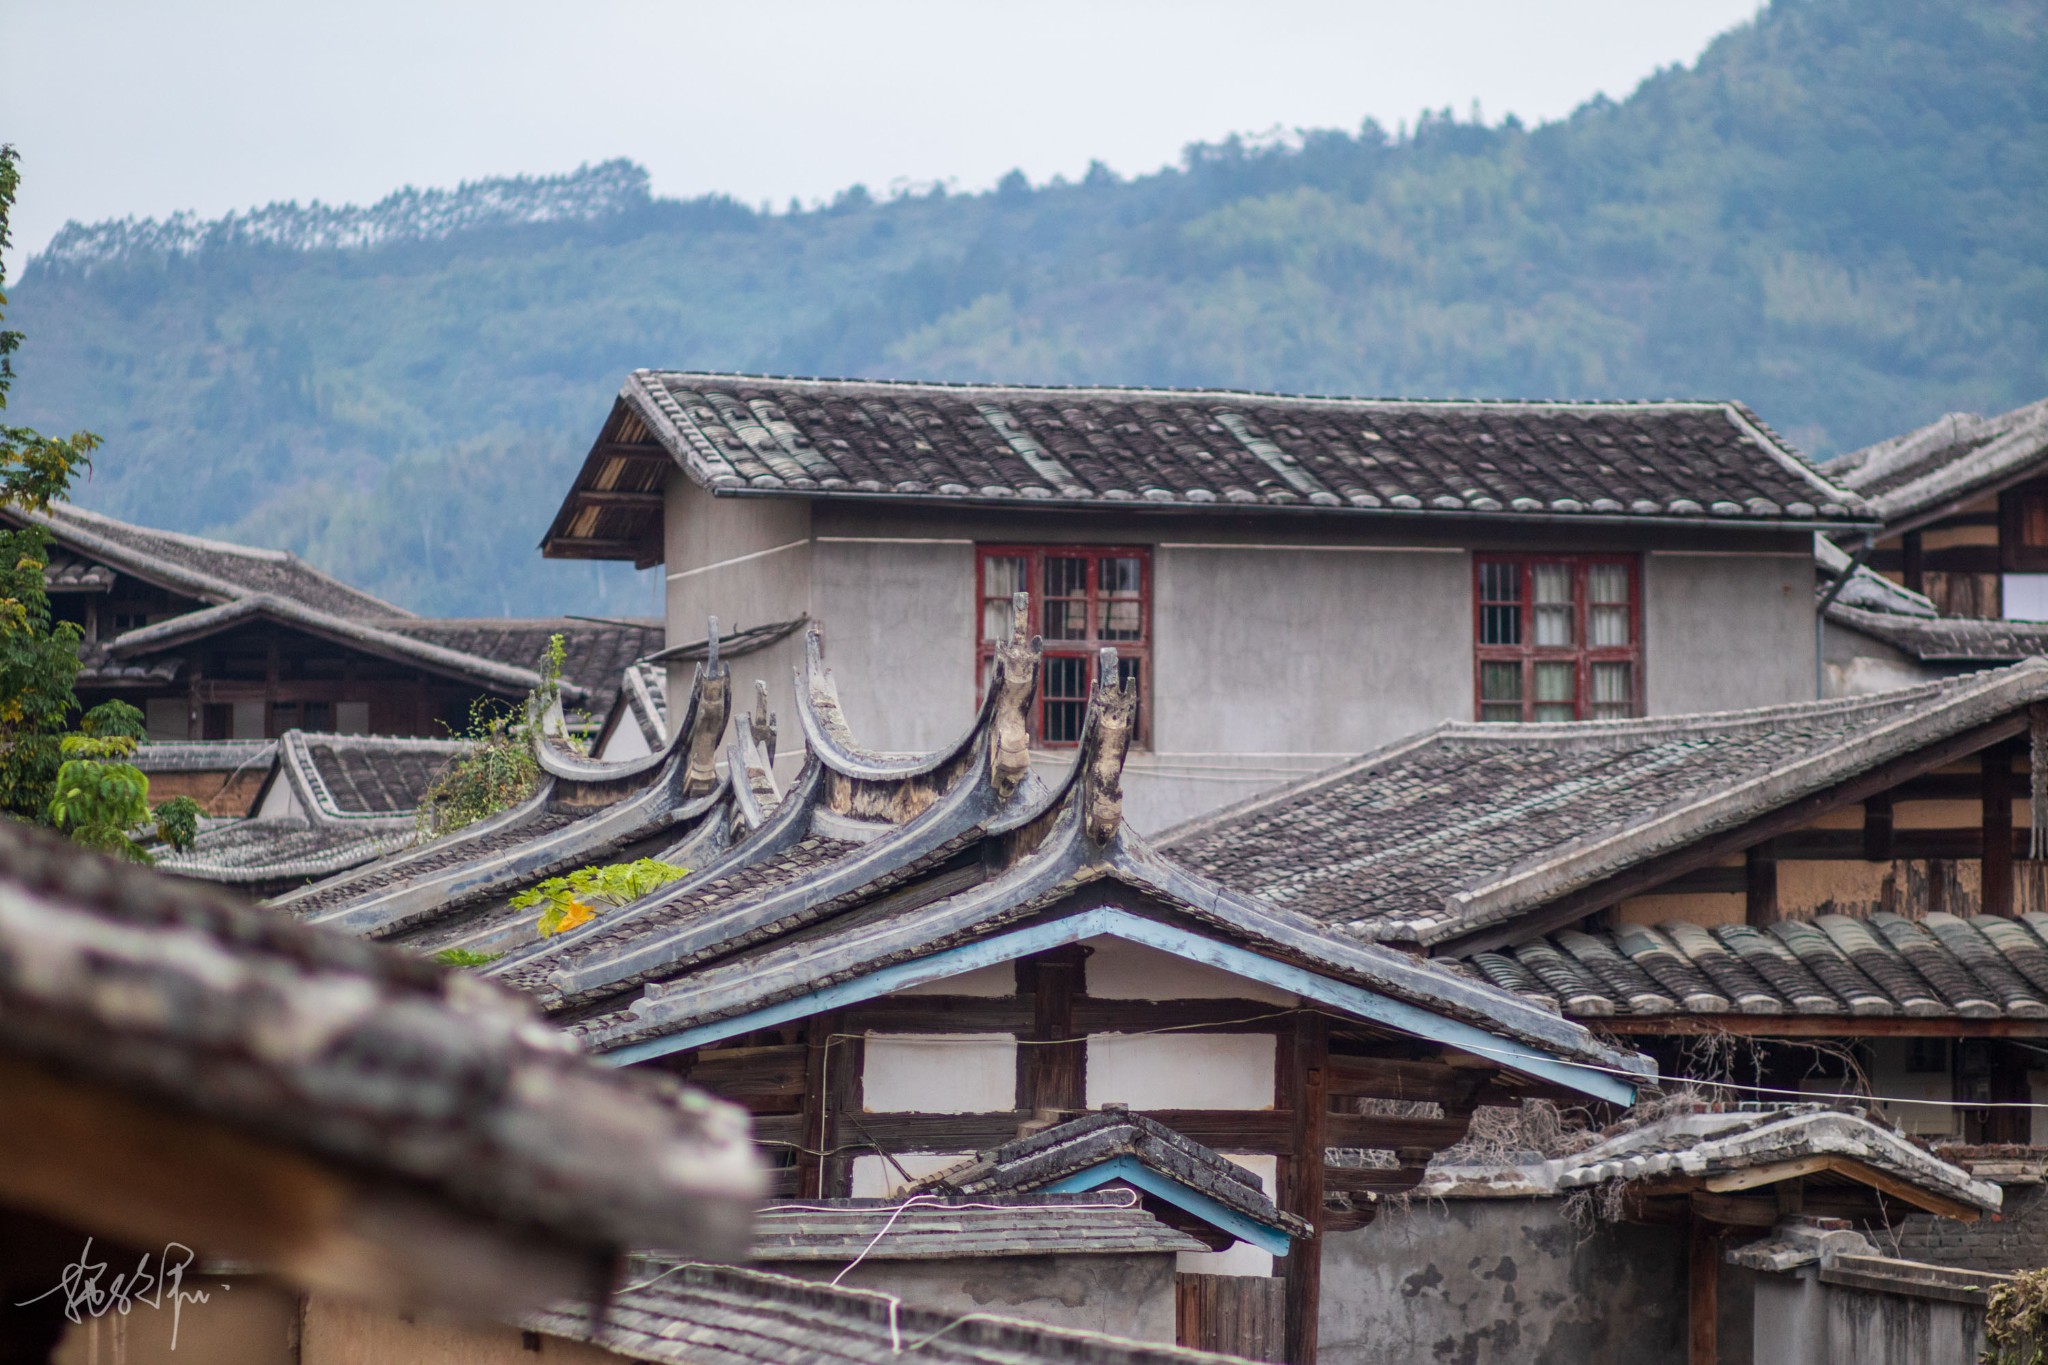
{"x": 101, "y": 799}
{"x": 497, "y": 770}
{"x": 573, "y": 900}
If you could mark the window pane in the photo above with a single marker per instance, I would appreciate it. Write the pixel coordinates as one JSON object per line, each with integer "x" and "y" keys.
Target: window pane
{"x": 1608, "y": 626}
{"x": 1121, "y": 620}
{"x": 1500, "y": 582}
{"x": 1120, "y": 576}
{"x": 1607, "y": 584}
{"x": 1066, "y": 598}
{"x": 1002, "y": 575}
{"x": 1612, "y": 695}
{"x": 1501, "y": 682}
{"x": 1555, "y": 687}
{"x": 1553, "y": 584}
{"x": 995, "y": 619}
{"x": 1065, "y": 690}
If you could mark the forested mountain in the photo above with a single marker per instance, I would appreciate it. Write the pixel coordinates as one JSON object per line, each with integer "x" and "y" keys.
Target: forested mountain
{"x": 1838, "y": 214}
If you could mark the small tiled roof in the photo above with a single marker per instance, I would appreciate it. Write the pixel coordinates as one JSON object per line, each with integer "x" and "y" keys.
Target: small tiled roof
{"x": 1188, "y": 448}
{"x": 1952, "y": 459}
{"x": 598, "y": 652}
{"x": 73, "y": 573}
{"x": 1032, "y": 1163}
{"x": 212, "y": 570}
{"x": 260, "y": 852}
{"x": 1720, "y": 1140}
{"x": 473, "y": 1120}
{"x": 1939, "y": 966}
{"x": 373, "y": 775}
{"x": 1467, "y": 825}
{"x": 720, "y": 1315}
{"x": 1947, "y": 639}
{"x": 935, "y": 1227}
{"x": 204, "y": 755}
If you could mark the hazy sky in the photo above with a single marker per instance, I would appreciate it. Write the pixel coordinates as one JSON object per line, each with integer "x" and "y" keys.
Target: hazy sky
{"x": 150, "y": 106}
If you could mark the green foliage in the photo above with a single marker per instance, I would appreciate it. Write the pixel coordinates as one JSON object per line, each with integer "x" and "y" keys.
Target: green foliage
{"x": 177, "y": 822}
{"x": 574, "y": 899}
{"x": 1838, "y": 214}
{"x": 498, "y": 770}
{"x": 465, "y": 957}
{"x": 46, "y": 774}
{"x": 2016, "y": 1322}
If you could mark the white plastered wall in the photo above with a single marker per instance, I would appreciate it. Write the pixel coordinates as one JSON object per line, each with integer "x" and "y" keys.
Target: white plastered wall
{"x": 939, "y": 1073}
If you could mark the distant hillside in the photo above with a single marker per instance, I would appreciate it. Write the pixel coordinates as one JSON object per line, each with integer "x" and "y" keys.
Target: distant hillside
{"x": 1838, "y": 214}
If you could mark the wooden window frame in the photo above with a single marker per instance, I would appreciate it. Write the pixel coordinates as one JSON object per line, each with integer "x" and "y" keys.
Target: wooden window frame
{"x": 1581, "y": 654}
{"x": 1139, "y": 650}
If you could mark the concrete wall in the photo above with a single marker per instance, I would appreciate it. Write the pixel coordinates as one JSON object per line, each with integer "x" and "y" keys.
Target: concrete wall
{"x": 1801, "y": 1320}
{"x": 1126, "y": 1296}
{"x": 1280, "y": 647}
{"x": 1724, "y": 630}
{"x": 1501, "y": 1282}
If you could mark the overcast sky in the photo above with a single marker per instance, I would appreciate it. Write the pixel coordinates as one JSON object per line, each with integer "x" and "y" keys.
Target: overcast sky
{"x": 147, "y": 107}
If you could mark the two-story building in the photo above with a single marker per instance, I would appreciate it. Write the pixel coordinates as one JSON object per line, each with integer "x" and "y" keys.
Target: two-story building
{"x": 1319, "y": 575}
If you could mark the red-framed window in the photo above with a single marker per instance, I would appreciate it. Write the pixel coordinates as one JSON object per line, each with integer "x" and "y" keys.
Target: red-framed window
{"x": 1559, "y": 637}
{"x": 1083, "y": 597}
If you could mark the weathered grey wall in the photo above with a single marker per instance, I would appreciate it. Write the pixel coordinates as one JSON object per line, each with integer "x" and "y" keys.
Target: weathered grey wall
{"x": 1501, "y": 1282}
{"x": 900, "y": 635}
{"x": 1802, "y": 1321}
{"x": 1128, "y": 1296}
{"x": 1854, "y": 664}
{"x": 703, "y": 537}
{"x": 1725, "y": 630}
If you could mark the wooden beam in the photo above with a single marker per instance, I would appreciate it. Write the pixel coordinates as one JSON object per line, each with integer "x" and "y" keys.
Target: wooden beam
{"x": 1914, "y": 563}
{"x": 1394, "y": 1079}
{"x": 641, "y": 500}
{"x": 1760, "y": 889}
{"x": 564, "y": 547}
{"x": 1996, "y": 865}
{"x": 1704, "y": 852}
{"x": 750, "y": 1072}
{"x": 1303, "y": 1089}
{"x": 635, "y": 454}
{"x": 1902, "y": 1191}
{"x": 1770, "y": 1173}
{"x": 1267, "y": 1131}
{"x": 1703, "y": 1275}
{"x": 1394, "y": 1134}
{"x": 1731, "y": 1210}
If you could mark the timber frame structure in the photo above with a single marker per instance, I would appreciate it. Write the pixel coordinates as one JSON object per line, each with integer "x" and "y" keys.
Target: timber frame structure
{"x": 961, "y": 894}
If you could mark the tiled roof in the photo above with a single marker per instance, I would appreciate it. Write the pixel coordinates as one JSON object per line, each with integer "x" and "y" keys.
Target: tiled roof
{"x": 1467, "y": 825}
{"x": 1705, "y": 461}
{"x": 204, "y": 755}
{"x": 213, "y": 570}
{"x": 465, "y": 1114}
{"x": 1043, "y": 1159}
{"x": 933, "y": 1227}
{"x": 264, "y": 853}
{"x": 1947, "y": 639}
{"x": 599, "y": 652}
{"x": 1953, "y": 458}
{"x": 374, "y": 775}
{"x": 1723, "y": 1140}
{"x": 1941, "y": 966}
{"x": 720, "y": 1315}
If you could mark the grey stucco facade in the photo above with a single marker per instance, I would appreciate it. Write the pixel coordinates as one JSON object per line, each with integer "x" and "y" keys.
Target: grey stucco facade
{"x": 1280, "y": 646}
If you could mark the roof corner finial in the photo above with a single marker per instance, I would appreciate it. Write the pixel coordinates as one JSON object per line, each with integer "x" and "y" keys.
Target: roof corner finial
{"x": 761, "y": 723}
{"x": 1013, "y": 678}
{"x": 711, "y": 644}
{"x": 1115, "y": 710}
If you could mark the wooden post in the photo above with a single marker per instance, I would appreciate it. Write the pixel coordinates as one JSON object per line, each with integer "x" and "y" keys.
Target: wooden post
{"x": 1915, "y": 563}
{"x": 1703, "y": 1278}
{"x": 1303, "y": 1089}
{"x": 845, "y": 1093}
{"x": 811, "y": 1133}
{"x": 1995, "y": 866}
{"x": 1760, "y": 867}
